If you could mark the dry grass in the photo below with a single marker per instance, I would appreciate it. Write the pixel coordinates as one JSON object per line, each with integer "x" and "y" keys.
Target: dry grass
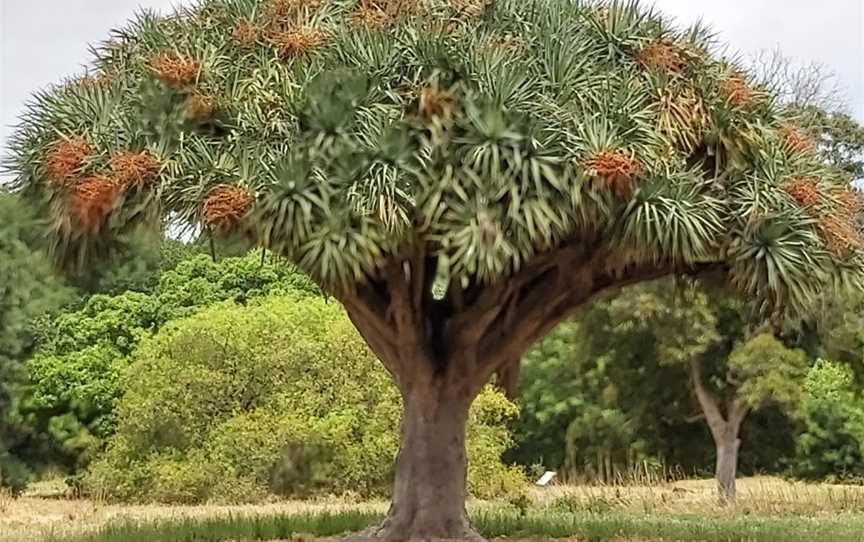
{"x": 32, "y": 518}
{"x": 758, "y": 496}
{"x": 41, "y": 513}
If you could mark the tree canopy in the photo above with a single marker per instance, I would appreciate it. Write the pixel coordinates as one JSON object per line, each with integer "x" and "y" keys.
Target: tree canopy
{"x": 487, "y": 133}
{"x": 75, "y": 374}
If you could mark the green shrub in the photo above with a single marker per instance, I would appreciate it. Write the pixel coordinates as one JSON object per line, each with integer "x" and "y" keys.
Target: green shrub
{"x": 279, "y": 397}
{"x": 76, "y": 372}
{"x": 831, "y": 446}
{"x": 489, "y": 437}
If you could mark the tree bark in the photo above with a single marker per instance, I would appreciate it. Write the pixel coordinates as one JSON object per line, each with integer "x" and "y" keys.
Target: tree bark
{"x": 724, "y": 431}
{"x": 430, "y": 488}
{"x": 727, "y": 464}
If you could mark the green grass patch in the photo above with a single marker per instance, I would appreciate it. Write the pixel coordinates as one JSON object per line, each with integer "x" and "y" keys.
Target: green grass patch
{"x": 505, "y": 523}
{"x": 617, "y": 526}
{"x": 229, "y": 527}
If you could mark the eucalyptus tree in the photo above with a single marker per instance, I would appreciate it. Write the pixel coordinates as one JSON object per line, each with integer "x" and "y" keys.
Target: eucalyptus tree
{"x": 522, "y": 157}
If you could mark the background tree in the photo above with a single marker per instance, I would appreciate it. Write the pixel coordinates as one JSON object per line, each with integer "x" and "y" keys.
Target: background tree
{"x": 558, "y": 383}
{"x": 759, "y": 372}
{"x": 281, "y": 396}
{"x": 145, "y": 255}
{"x": 733, "y": 367}
{"x": 799, "y": 86}
{"x": 811, "y": 93}
{"x": 595, "y": 404}
{"x": 28, "y": 288}
{"x": 530, "y": 156}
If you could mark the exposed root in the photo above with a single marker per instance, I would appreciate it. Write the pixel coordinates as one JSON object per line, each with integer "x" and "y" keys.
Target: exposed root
{"x": 386, "y": 533}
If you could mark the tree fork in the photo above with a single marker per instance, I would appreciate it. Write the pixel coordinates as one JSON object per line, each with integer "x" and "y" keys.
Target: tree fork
{"x": 724, "y": 431}
{"x": 484, "y": 335}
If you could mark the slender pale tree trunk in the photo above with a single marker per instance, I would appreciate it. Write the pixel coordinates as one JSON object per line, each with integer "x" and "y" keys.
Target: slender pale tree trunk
{"x": 727, "y": 462}
{"x": 724, "y": 430}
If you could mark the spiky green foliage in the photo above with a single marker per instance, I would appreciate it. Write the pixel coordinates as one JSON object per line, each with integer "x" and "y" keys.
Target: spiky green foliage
{"x": 484, "y": 132}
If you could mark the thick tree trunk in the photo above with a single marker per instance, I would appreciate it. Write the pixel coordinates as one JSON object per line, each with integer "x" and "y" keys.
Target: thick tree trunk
{"x": 441, "y": 351}
{"x": 429, "y": 491}
{"x": 727, "y": 464}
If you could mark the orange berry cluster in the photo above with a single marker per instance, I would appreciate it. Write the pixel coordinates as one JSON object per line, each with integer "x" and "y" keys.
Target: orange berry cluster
{"x": 615, "y": 170}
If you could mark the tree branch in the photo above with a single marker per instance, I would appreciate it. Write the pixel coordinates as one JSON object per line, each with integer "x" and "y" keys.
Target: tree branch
{"x": 401, "y": 311}
{"x": 694, "y": 418}
{"x": 513, "y": 301}
{"x": 379, "y": 338}
{"x": 707, "y": 400}
{"x": 365, "y": 302}
{"x": 736, "y": 411}
{"x": 540, "y": 310}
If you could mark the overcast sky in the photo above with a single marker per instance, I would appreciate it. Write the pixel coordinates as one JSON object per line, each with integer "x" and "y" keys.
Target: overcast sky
{"x": 41, "y": 41}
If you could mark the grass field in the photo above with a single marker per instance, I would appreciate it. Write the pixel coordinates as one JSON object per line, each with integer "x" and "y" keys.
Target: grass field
{"x": 769, "y": 510}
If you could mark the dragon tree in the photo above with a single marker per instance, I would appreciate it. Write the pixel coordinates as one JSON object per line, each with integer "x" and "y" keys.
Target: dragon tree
{"x": 461, "y": 175}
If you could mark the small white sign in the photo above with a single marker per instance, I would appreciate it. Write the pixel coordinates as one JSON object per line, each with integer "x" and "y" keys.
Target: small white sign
{"x": 546, "y": 478}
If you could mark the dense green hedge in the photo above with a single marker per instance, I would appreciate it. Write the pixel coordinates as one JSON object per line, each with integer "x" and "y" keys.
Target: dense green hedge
{"x": 279, "y": 397}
